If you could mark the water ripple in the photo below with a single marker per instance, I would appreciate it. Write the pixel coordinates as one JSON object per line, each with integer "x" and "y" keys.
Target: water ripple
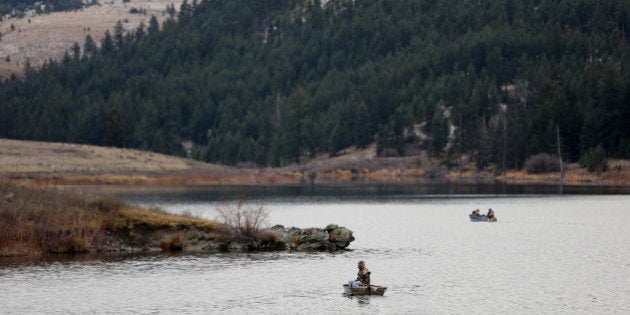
{"x": 550, "y": 255}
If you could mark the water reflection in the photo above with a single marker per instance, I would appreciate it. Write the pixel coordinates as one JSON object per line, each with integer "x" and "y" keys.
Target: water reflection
{"x": 547, "y": 254}
{"x": 362, "y": 300}
{"x": 341, "y": 193}
{"x": 67, "y": 259}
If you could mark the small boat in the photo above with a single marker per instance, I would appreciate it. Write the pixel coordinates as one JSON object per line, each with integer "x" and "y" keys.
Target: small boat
{"x": 364, "y": 290}
{"x": 481, "y": 218}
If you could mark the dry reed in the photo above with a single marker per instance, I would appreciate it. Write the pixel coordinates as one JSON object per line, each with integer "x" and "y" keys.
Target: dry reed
{"x": 39, "y": 220}
{"x": 36, "y": 220}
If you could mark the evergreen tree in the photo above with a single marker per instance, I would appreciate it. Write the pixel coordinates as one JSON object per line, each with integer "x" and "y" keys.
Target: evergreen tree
{"x": 362, "y": 131}
{"x": 276, "y": 81}
{"x": 107, "y": 44}
{"x": 154, "y": 25}
{"x": 439, "y": 134}
{"x": 76, "y": 51}
{"x": 115, "y": 130}
{"x": 89, "y": 46}
{"x": 594, "y": 160}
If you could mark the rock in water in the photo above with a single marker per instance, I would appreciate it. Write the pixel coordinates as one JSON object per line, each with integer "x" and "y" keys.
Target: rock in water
{"x": 341, "y": 237}
{"x": 331, "y": 238}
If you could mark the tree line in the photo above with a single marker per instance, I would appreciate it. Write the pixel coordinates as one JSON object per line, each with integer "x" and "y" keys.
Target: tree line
{"x": 273, "y": 82}
{"x": 17, "y": 8}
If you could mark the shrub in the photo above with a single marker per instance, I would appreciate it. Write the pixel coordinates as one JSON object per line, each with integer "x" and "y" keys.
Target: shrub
{"x": 59, "y": 243}
{"x": 105, "y": 204}
{"x": 246, "y": 221}
{"x": 175, "y": 244}
{"x": 623, "y": 149}
{"x": 595, "y": 159}
{"x": 542, "y": 163}
{"x": 39, "y": 220}
{"x": 268, "y": 236}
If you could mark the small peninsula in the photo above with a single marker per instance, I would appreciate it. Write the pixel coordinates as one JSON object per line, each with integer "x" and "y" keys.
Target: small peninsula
{"x": 37, "y": 221}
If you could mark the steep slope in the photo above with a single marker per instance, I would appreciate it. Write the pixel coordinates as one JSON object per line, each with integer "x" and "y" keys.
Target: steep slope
{"x": 41, "y": 37}
{"x": 278, "y": 82}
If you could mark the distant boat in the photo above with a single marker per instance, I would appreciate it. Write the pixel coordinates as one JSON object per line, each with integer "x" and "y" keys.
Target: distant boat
{"x": 364, "y": 290}
{"x": 481, "y": 218}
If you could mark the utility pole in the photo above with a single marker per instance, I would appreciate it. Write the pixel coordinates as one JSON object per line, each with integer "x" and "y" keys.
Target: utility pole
{"x": 504, "y": 140}
{"x": 459, "y": 145}
{"x": 560, "y": 155}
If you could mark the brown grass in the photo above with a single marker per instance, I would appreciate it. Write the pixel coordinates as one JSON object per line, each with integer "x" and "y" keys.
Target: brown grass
{"x": 39, "y": 38}
{"x": 37, "y": 220}
{"x": 63, "y": 163}
{"x": 155, "y": 219}
{"x": 36, "y": 157}
{"x": 71, "y": 164}
{"x": 174, "y": 244}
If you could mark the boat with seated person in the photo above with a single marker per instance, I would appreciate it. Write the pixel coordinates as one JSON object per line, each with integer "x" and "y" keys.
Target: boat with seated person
{"x": 476, "y": 216}
{"x": 364, "y": 290}
{"x": 481, "y": 218}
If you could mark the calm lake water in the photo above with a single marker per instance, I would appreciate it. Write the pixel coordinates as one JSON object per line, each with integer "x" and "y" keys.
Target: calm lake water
{"x": 548, "y": 253}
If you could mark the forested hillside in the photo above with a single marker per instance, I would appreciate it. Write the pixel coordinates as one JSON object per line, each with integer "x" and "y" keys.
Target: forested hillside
{"x": 18, "y": 7}
{"x": 275, "y": 81}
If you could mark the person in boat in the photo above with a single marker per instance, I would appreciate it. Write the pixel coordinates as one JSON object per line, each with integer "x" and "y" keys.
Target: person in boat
{"x": 363, "y": 276}
{"x": 490, "y": 214}
{"x": 476, "y": 213}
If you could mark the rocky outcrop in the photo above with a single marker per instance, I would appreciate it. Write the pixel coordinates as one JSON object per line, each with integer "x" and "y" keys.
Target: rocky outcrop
{"x": 331, "y": 238}
{"x": 182, "y": 238}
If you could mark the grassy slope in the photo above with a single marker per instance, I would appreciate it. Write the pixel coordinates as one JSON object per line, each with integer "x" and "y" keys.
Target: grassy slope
{"x": 83, "y": 164}
{"x": 60, "y": 163}
{"x": 39, "y": 38}
{"x": 50, "y": 35}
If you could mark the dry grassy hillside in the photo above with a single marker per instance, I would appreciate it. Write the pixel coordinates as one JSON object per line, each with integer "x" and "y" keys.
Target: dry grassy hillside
{"x": 39, "y": 157}
{"x": 38, "y": 38}
{"x": 85, "y": 164}
{"x": 62, "y": 163}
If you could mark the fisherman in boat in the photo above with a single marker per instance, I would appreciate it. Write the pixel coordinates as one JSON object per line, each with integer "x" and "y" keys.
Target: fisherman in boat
{"x": 363, "y": 276}
{"x": 490, "y": 214}
{"x": 476, "y": 213}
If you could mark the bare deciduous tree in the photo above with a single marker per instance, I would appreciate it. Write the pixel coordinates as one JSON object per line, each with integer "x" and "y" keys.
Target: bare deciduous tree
{"x": 246, "y": 219}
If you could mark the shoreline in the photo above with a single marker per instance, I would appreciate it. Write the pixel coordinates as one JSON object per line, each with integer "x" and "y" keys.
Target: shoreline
{"x": 40, "y": 221}
{"x": 75, "y": 164}
{"x": 337, "y": 177}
